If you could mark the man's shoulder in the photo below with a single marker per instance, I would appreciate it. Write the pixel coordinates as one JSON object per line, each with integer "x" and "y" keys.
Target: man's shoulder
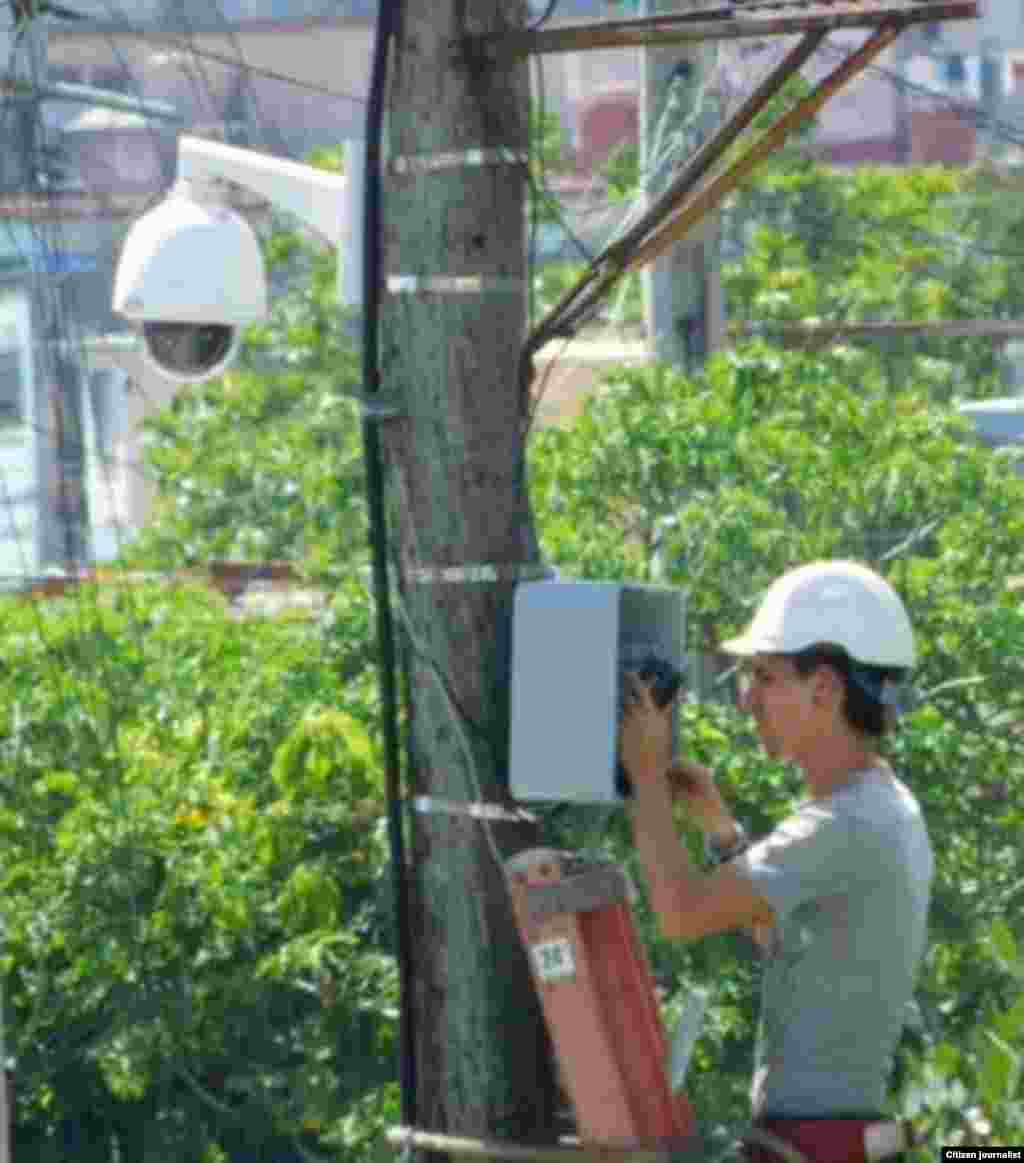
{"x": 885, "y": 822}
{"x": 812, "y": 826}
{"x": 879, "y": 795}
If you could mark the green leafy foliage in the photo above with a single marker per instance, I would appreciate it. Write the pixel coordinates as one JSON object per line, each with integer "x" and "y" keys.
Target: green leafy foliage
{"x": 550, "y": 154}
{"x": 621, "y": 172}
{"x": 193, "y": 958}
{"x": 872, "y": 244}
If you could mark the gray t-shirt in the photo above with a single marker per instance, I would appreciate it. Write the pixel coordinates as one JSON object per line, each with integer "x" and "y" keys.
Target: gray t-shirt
{"x": 849, "y": 878}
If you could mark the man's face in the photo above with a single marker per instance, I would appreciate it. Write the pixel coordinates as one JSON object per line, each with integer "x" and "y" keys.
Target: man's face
{"x": 782, "y": 704}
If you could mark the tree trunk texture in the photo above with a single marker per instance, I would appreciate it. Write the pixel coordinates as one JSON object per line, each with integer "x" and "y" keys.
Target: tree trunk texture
{"x": 458, "y": 494}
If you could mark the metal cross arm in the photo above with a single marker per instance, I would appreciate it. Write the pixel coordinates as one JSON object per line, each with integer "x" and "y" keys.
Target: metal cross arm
{"x": 686, "y": 215}
{"x": 756, "y": 18}
{"x": 617, "y": 258}
{"x": 693, "y": 194}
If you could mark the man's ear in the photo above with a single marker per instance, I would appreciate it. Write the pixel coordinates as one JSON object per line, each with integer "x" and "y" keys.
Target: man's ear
{"x": 828, "y": 685}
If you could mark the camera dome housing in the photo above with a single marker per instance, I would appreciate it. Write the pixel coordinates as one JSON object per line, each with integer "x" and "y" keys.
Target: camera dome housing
{"x": 192, "y": 275}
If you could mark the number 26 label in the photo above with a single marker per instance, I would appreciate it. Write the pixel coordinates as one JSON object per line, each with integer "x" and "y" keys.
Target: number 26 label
{"x": 553, "y": 960}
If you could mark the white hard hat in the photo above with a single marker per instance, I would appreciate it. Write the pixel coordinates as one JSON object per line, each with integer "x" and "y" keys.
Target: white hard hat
{"x": 840, "y": 603}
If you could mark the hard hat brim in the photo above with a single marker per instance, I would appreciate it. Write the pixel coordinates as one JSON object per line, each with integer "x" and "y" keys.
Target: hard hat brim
{"x": 745, "y": 646}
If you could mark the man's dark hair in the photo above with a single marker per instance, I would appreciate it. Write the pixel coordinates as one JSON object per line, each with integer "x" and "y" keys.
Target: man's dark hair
{"x": 863, "y": 686}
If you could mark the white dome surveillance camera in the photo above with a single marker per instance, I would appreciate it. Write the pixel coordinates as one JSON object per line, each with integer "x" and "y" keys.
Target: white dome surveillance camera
{"x": 192, "y": 275}
{"x": 191, "y": 271}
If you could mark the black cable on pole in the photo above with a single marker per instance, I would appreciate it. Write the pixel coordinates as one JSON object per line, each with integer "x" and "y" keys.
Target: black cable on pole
{"x": 387, "y": 21}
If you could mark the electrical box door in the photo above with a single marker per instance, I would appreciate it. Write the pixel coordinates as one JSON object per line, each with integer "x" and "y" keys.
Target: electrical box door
{"x": 571, "y": 643}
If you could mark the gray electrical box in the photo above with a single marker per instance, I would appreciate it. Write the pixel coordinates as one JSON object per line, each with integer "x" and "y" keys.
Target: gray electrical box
{"x": 570, "y": 642}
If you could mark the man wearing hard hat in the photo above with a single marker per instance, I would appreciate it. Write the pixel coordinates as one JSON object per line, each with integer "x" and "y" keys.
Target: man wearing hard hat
{"x": 838, "y": 893}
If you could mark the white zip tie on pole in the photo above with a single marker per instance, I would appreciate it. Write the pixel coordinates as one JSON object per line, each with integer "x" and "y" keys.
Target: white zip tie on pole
{"x": 436, "y": 806}
{"x": 452, "y": 285}
{"x": 376, "y": 410}
{"x": 459, "y": 159}
{"x": 459, "y": 574}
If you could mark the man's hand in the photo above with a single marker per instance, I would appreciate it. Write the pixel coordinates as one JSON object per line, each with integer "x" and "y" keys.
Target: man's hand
{"x": 645, "y": 737}
{"x": 694, "y": 786}
{"x": 687, "y": 903}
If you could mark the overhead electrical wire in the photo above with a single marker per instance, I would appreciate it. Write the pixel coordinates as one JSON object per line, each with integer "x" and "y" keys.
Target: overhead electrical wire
{"x": 243, "y": 78}
{"x": 187, "y": 42}
{"x": 285, "y": 78}
{"x": 965, "y": 107}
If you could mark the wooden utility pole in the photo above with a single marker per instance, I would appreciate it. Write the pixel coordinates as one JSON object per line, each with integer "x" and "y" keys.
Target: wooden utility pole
{"x": 452, "y": 326}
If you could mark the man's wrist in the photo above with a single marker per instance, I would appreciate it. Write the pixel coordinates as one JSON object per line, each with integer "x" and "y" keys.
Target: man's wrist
{"x": 720, "y": 847}
{"x": 651, "y": 784}
{"x": 724, "y": 833}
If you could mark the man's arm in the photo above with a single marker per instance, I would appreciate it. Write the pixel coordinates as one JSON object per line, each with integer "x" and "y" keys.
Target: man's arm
{"x": 688, "y": 903}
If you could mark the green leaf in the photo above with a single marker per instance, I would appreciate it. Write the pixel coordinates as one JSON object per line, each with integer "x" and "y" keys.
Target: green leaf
{"x": 999, "y": 1076}
{"x": 1010, "y": 1024}
{"x": 1004, "y": 945}
{"x": 947, "y": 1059}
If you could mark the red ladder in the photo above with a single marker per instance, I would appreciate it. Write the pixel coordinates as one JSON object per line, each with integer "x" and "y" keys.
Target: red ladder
{"x": 597, "y": 993}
